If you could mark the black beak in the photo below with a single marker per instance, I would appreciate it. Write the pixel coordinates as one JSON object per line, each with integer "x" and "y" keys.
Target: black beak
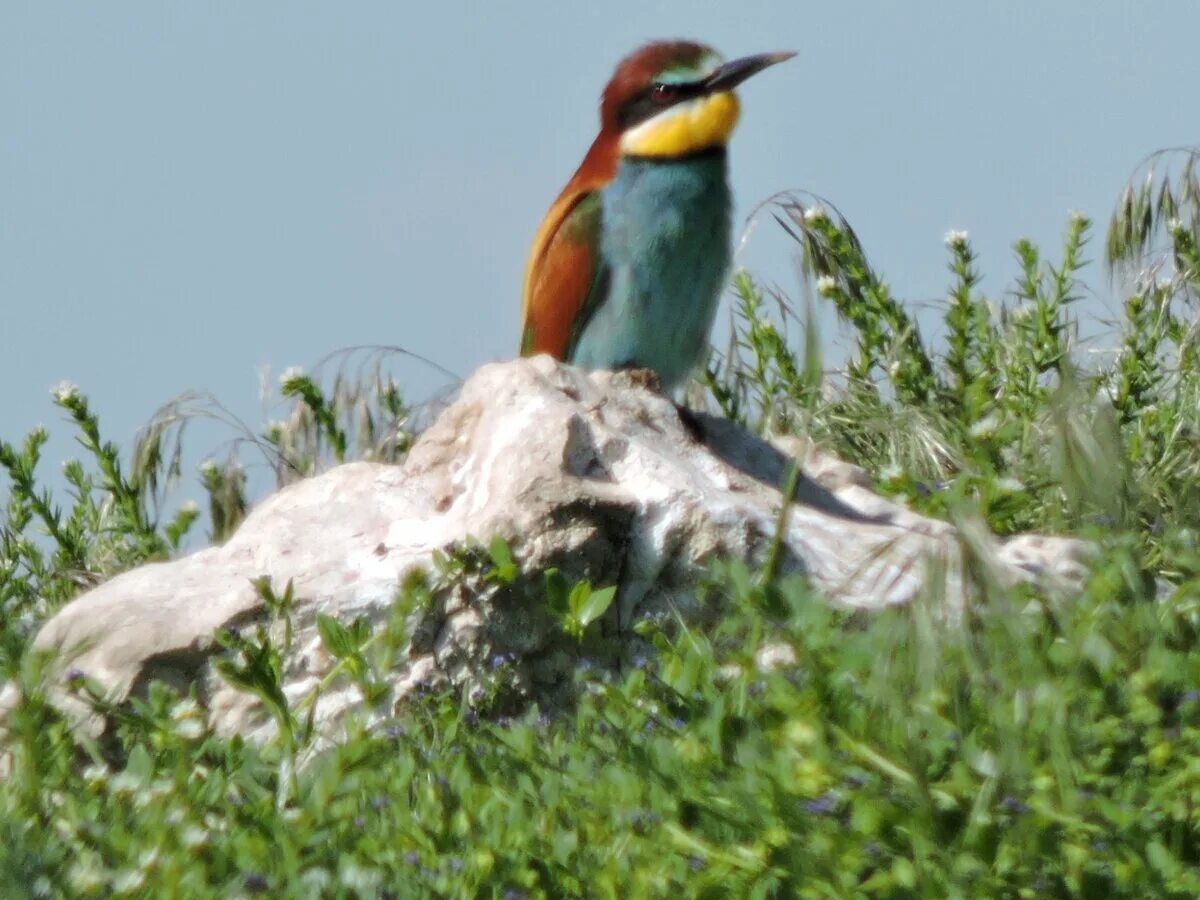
{"x": 734, "y": 73}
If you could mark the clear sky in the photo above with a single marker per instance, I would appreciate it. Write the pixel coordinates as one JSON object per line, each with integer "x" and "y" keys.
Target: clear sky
{"x": 191, "y": 191}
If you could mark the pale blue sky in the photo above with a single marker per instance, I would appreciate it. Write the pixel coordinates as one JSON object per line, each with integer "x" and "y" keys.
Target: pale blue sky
{"x": 190, "y": 191}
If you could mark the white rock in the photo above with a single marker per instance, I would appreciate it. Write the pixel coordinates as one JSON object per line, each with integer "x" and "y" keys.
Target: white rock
{"x": 594, "y": 474}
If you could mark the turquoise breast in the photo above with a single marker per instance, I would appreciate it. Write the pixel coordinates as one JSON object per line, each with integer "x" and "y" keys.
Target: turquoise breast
{"x": 665, "y": 250}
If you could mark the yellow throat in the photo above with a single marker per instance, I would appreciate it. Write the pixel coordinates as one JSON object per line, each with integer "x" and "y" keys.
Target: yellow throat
{"x": 690, "y": 127}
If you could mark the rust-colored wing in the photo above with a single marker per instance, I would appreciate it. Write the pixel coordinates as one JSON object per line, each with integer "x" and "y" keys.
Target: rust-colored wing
{"x": 565, "y": 269}
{"x": 560, "y": 277}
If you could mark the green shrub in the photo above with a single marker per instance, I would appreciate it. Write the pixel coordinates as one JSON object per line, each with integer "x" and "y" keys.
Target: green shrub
{"x": 1034, "y": 749}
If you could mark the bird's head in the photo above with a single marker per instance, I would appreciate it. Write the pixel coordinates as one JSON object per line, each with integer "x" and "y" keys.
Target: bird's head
{"x": 674, "y": 98}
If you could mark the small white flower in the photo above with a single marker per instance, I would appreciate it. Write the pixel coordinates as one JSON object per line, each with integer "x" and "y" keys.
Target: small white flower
{"x": 1174, "y": 225}
{"x": 129, "y": 881}
{"x": 194, "y": 837}
{"x": 189, "y": 506}
{"x": 86, "y": 878}
{"x": 96, "y": 774}
{"x": 190, "y": 730}
{"x": 208, "y": 467}
{"x": 729, "y": 672}
{"x": 985, "y": 427}
{"x": 1010, "y": 485}
{"x": 775, "y": 656}
{"x": 125, "y": 783}
{"x": 956, "y": 239}
{"x": 361, "y": 880}
{"x": 151, "y": 794}
{"x": 65, "y": 391}
{"x": 815, "y": 214}
{"x": 186, "y": 708}
{"x": 1077, "y": 216}
{"x": 826, "y": 285}
{"x": 291, "y": 373}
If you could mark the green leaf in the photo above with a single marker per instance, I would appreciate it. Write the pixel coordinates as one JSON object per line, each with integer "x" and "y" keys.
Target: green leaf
{"x": 556, "y": 590}
{"x": 904, "y": 873}
{"x": 360, "y": 630}
{"x": 140, "y": 762}
{"x": 1161, "y": 859}
{"x": 336, "y": 637}
{"x": 595, "y": 605}
{"x": 578, "y": 597}
{"x": 502, "y": 558}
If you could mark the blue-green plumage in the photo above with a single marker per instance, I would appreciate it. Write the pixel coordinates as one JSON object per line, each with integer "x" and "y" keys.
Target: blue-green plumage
{"x": 664, "y": 247}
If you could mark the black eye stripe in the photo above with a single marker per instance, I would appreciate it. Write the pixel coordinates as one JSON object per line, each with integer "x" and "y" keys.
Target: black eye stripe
{"x": 654, "y": 99}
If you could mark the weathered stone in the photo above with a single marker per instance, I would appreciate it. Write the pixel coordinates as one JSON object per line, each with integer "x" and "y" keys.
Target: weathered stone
{"x": 596, "y": 475}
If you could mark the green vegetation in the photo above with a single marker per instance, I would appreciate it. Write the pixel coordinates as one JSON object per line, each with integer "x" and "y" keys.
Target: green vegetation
{"x": 1037, "y": 748}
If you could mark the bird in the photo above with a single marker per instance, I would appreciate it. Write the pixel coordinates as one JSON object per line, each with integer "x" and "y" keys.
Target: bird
{"x": 629, "y": 264}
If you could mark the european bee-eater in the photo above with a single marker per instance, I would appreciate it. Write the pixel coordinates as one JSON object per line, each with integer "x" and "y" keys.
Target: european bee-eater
{"x": 630, "y": 262}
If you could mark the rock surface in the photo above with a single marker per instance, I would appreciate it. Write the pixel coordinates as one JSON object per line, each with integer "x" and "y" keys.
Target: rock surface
{"x": 596, "y": 475}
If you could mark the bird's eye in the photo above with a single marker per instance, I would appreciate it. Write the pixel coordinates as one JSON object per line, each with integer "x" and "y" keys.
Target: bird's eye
{"x": 663, "y": 93}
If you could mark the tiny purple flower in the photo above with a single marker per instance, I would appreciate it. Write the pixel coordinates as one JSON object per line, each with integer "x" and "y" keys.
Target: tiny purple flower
{"x": 641, "y": 820}
{"x": 1014, "y": 806}
{"x": 822, "y": 806}
{"x": 255, "y": 883}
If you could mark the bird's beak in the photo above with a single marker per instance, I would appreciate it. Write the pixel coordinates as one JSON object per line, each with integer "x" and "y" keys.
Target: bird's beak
{"x": 730, "y": 75}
